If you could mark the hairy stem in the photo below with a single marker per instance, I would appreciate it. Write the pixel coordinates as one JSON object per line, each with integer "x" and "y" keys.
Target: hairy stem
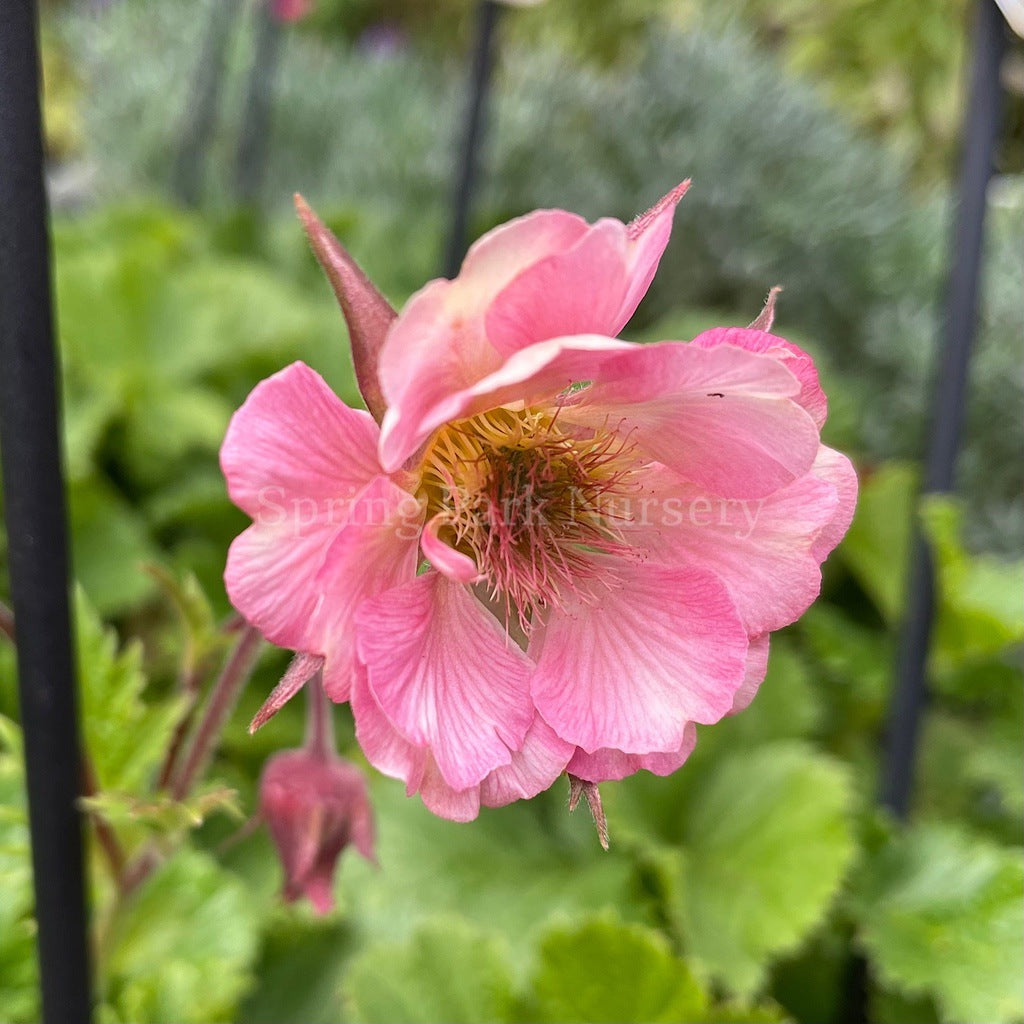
{"x": 220, "y": 705}
{"x": 319, "y": 723}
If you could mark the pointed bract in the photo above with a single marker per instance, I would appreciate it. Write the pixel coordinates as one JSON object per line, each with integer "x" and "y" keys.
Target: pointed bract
{"x": 367, "y": 313}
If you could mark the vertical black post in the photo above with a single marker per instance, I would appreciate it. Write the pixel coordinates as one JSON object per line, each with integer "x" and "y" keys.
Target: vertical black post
{"x": 465, "y": 180}
{"x": 981, "y": 132}
{"x": 204, "y": 99}
{"x": 253, "y": 143}
{"x": 36, "y": 528}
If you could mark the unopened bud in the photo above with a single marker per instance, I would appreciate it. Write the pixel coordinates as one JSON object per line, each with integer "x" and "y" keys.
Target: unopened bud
{"x": 315, "y": 805}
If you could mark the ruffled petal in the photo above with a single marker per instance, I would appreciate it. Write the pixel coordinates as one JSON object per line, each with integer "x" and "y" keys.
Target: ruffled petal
{"x": 837, "y": 469}
{"x": 270, "y": 576}
{"x": 436, "y": 348}
{"x": 534, "y": 768}
{"x": 439, "y": 345}
{"x": 393, "y": 755}
{"x": 538, "y": 372}
{"x": 763, "y": 549}
{"x": 446, "y": 676}
{"x": 543, "y": 276}
{"x": 722, "y": 417}
{"x": 496, "y": 257}
{"x": 794, "y": 358}
{"x": 608, "y": 765}
{"x": 295, "y": 457}
{"x": 757, "y": 668}
{"x": 376, "y": 551}
{"x": 578, "y": 291}
{"x": 294, "y": 447}
{"x": 663, "y": 647}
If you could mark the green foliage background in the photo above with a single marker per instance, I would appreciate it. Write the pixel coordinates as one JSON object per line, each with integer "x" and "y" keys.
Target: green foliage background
{"x": 736, "y": 890}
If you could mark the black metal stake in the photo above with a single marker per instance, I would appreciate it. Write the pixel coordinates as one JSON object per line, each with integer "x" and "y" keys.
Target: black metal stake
{"x": 981, "y": 132}
{"x": 465, "y": 181}
{"x": 253, "y": 148}
{"x": 204, "y": 98}
{"x": 37, "y": 529}
{"x": 981, "y": 129}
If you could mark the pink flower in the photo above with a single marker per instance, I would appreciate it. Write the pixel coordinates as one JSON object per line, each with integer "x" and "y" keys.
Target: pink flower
{"x": 291, "y": 10}
{"x": 558, "y": 550}
{"x": 314, "y": 804}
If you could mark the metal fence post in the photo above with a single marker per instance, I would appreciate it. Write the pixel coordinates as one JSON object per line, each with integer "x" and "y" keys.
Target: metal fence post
{"x": 465, "y": 179}
{"x": 981, "y": 133}
{"x": 37, "y": 529}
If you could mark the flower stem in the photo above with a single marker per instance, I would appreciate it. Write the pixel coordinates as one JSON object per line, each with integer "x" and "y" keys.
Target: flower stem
{"x": 7, "y": 622}
{"x": 106, "y": 837}
{"x": 319, "y": 723}
{"x": 222, "y": 700}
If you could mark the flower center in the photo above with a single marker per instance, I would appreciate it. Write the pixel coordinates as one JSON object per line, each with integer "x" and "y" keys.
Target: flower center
{"x": 531, "y": 502}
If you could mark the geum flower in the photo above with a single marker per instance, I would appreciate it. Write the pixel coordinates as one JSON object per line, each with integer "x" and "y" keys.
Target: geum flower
{"x": 558, "y": 551}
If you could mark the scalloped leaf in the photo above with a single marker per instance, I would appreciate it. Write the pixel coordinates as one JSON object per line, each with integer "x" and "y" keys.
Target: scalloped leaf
{"x": 767, "y": 844}
{"x": 447, "y": 970}
{"x": 942, "y": 914}
{"x": 606, "y": 970}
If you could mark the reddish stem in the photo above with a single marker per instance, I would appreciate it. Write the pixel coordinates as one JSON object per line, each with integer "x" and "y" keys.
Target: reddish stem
{"x": 319, "y": 723}
{"x": 220, "y": 705}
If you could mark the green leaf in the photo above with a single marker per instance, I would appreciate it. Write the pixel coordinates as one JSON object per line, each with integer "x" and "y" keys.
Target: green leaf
{"x": 111, "y": 544}
{"x": 605, "y": 970}
{"x": 202, "y": 636}
{"x": 162, "y": 813}
{"x": 448, "y": 970}
{"x": 183, "y": 948}
{"x": 877, "y": 546}
{"x": 767, "y": 844}
{"x": 980, "y": 610}
{"x": 125, "y": 736}
{"x": 942, "y": 913}
{"x": 427, "y": 866}
{"x": 19, "y": 992}
{"x": 300, "y": 971}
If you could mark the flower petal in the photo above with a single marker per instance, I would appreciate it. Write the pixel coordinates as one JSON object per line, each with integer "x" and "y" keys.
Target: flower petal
{"x": 837, "y": 469}
{"x": 722, "y": 417}
{"x": 795, "y": 359}
{"x": 662, "y": 648}
{"x": 447, "y": 676}
{"x": 534, "y": 768}
{"x": 393, "y": 755}
{"x": 270, "y": 577}
{"x": 578, "y": 291}
{"x": 295, "y": 445}
{"x": 757, "y": 668}
{"x": 540, "y": 371}
{"x": 375, "y": 551}
{"x": 438, "y": 345}
{"x": 444, "y": 558}
{"x": 648, "y": 235}
{"x": 295, "y": 457}
{"x": 763, "y": 549}
{"x": 607, "y": 765}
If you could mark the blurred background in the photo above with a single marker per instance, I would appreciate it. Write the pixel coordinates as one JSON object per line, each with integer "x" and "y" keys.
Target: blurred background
{"x": 758, "y": 884}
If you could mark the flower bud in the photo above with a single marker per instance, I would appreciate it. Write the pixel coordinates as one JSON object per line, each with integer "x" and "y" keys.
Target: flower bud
{"x": 314, "y": 805}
